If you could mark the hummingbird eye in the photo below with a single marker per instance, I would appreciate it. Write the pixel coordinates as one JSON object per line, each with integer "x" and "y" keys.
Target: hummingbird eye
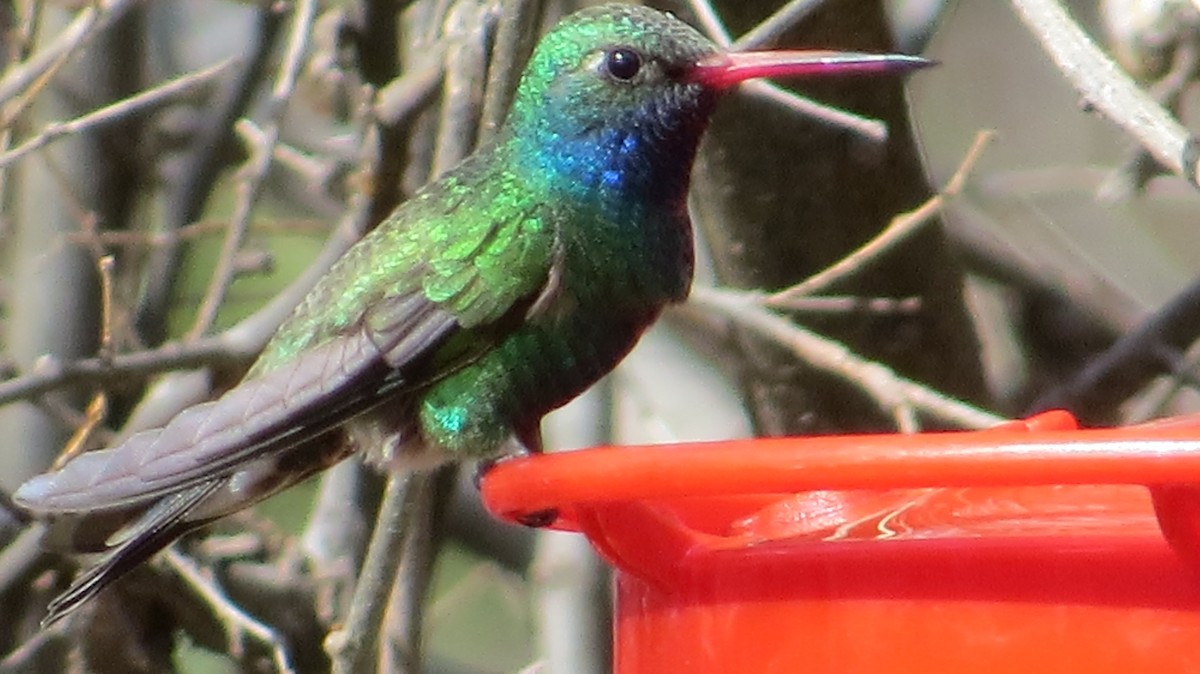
{"x": 623, "y": 63}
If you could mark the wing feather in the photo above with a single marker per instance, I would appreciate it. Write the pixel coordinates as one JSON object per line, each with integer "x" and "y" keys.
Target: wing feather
{"x": 149, "y": 534}
{"x": 270, "y": 412}
{"x": 330, "y": 363}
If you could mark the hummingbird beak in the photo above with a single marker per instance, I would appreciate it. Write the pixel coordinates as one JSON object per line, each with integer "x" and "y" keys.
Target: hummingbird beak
{"x": 727, "y": 69}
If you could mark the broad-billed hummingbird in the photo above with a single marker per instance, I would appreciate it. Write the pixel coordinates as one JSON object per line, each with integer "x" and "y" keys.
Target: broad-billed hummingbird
{"x": 494, "y": 295}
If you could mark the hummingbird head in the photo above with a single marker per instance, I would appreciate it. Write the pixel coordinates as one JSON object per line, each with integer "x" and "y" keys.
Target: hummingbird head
{"x": 606, "y": 101}
{"x": 615, "y": 99}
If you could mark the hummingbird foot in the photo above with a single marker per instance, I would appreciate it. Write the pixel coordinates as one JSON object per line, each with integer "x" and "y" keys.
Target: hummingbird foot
{"x": 516, "y": 446}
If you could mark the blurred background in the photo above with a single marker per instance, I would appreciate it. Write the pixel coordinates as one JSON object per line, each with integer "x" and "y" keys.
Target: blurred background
{"x": 1062, "y": 272}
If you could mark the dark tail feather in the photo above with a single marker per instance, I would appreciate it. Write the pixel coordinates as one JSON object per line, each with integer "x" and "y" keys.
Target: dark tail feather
{"x": 153, "y": 531}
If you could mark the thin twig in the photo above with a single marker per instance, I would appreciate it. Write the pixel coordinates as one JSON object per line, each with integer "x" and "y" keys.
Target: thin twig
{"x": 904, "y": 414}
{"x": 117, "y": 111}
{"x": 1152, "y": 348}
{"x": 1158, "y": 402}
{"x": 1107, "y": 88}
{"x": 466, "y": 29}
{"x": 1137, "y": 167}
{"x": 312, "y": 171}
{"x": 405, "y": 95}
{"x": 901, "y": 227}
{"x": 711, "y": 23}
{"x": 97, "y": 409}
{"x": 405, "y": 622}
{"x": 378, "y": 51}
{"x": 21, "y": 554}
{"x": 52, "y": 54}
{"x": 334, "y": 540}
{"x": 887, "y": 388}
{"x": 104, "y": 268}
{"x": 250, "y": 187}
{"x": 94, "y": 415}
{"x": 773, "y": 27}
{"x": 866, "y": 128}
{"x": 515, "y": 38}
{"x": 196, "y": 230}
{"x": 870, "y": 130}
{"x": 237, "y": 623}
{"x": 24, "y": 658}
{"x": 19, "y": 40}
{"x": 845, "y": 304}
{"x": 191, "y": 185}
{"x": 352, "y": 647}
{"x": 49, "y": 374}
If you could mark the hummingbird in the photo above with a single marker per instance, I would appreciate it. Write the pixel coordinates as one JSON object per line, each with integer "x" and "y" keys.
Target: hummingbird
{"x": 495, "y": 294}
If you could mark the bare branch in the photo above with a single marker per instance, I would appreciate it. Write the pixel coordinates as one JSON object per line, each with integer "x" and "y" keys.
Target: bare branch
{"x": 49, "y": 374}
{"x": 352, "y": 647}
{"x": 191, "y": 184}
{"x": 237, "y": 623}
{"x": 51, "y": 55}
{"x": 1156, "y": 346}
{"x": 117, "y": 111}
{"x": 773, "y": 27}
{"x": 515, "y": 38}
{"x": 871, "y": 130}
{"x": 843, "y": 304}
{"x": 250, "y": 187}
{"x": 1105, "y": 87}
{"x": 888, "y": 389}
{"x": 900, "y": 228}
{"x": 20, "y": 555}
{"x": 404, "y": 629}
{"x": 400, "y": 100}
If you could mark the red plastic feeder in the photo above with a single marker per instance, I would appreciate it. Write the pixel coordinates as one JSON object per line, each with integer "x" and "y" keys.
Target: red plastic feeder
{"x": 1033, "y": 547}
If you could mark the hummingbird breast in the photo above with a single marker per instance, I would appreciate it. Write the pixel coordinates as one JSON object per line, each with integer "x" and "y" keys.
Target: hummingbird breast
{"x": 620, "y": 264}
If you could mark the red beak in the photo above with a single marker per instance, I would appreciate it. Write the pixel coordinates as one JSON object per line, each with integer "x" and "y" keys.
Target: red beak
{"x": 729, "y": 68}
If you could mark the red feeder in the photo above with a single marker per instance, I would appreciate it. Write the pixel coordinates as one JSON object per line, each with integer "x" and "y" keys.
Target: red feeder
{"x": 1033, "y": 547}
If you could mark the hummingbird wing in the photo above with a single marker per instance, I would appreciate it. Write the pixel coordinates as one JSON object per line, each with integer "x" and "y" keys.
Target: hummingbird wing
{"x": 420, "y": 297}
{"x": 269, "y": 412}
{"x": 446, "y": 279}
{"x": 154, "y": 530}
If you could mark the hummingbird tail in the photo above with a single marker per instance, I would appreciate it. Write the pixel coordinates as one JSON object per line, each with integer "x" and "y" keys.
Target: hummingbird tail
{"x": 134, "y": 544}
